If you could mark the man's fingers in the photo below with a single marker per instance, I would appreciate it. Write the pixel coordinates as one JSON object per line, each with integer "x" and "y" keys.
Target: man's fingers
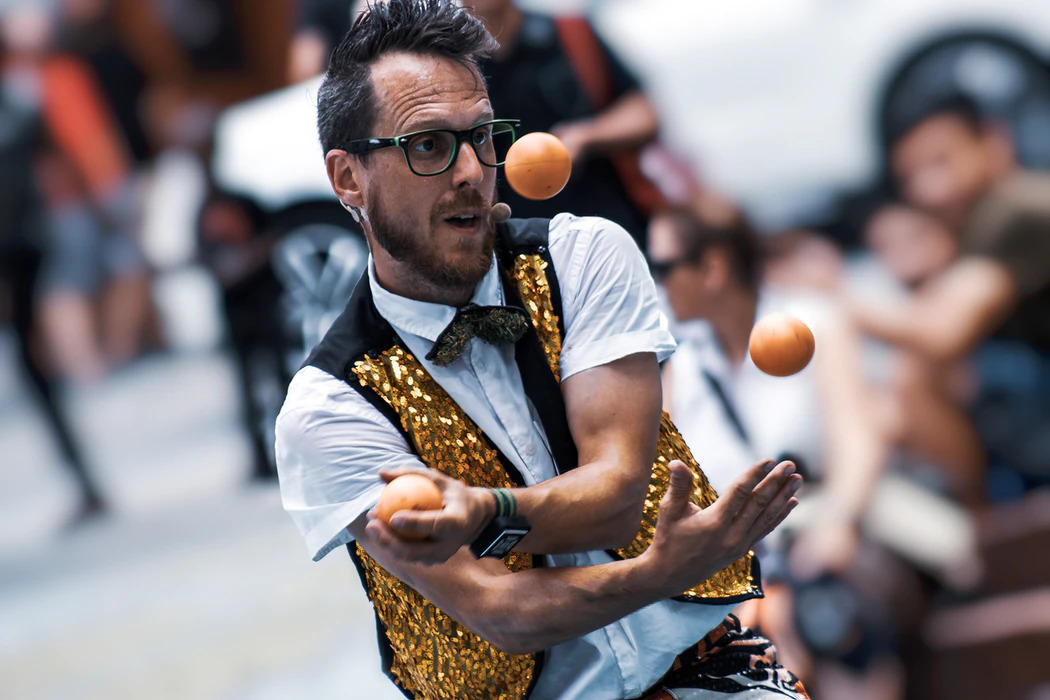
{"x": 738, "y": 494}
{"x": 421, "y": 552}
{"x": 775, "y": 509}
{"x": 785, "y": 511}
{"x": 416, "y": 523}
{"x": 762, "y": 495}
{"x": 675, "y": 502}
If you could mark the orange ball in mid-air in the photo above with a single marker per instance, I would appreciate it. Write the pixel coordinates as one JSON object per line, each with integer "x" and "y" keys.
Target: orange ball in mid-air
{"x": 781, "y": 345}
{"x": 408, "y": 492}
{"x": 538, "y": 165}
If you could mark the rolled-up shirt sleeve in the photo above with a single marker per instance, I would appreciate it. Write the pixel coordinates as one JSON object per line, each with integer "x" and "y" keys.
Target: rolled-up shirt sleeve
{"x": 330, "y": 446}
{"x": 609, "y": 298}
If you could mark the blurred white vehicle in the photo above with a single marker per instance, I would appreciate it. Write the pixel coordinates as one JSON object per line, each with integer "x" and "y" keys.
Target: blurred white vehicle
{"x": 778, "y": 102}
{"x": 267, "y": 149}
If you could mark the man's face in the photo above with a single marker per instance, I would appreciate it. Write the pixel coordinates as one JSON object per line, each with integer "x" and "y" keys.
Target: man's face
{"x": 417, "y": 220}
{"x": 944, "y": 166}
{"x": 684, "y": 281}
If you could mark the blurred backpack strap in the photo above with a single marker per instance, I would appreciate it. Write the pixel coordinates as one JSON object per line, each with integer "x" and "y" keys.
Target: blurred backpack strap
{"x": 587, "y": 57}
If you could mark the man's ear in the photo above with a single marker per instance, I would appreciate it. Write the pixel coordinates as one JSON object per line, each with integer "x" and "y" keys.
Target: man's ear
{"x": 344, "y": 174}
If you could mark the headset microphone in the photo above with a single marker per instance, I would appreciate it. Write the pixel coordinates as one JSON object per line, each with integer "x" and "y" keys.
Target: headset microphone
{"x": 500, "y": 212}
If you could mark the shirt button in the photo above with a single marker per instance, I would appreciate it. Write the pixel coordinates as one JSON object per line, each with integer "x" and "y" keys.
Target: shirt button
{"x": 480, "y": 365}
{"x": 530, "y": 450}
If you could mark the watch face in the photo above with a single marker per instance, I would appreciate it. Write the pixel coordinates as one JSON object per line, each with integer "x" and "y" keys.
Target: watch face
{"x": 505, "y": 542}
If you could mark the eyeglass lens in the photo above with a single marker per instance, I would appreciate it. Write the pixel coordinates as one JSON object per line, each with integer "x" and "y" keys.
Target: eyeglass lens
{"x": 432, "y": 151}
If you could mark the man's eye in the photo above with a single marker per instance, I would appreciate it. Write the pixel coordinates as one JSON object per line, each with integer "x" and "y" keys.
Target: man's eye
{"x": 425, "y": 144}
{"x": 481, "y": 138}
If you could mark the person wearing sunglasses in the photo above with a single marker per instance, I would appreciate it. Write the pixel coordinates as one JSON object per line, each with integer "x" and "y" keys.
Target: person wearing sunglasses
{"x": 514, "y": 363}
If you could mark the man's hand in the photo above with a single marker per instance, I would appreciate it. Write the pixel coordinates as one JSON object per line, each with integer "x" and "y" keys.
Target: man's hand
{"x": 691, "y": 543}
{"x": 443, "y": 532}
{"x": 577, "y": 138}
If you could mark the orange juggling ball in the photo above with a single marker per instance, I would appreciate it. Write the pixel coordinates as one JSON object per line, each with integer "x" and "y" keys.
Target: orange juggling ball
{"x": 408, "y": 492}
{"x": 538, "y": 165}
{"x": 781, "y": 345}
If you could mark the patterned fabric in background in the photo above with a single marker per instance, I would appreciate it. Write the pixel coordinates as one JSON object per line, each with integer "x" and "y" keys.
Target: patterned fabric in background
{"x": 730, "y": 659}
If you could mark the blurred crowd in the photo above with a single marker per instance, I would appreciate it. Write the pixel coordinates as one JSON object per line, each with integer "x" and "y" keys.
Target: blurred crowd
{"x": 921, "y": 424}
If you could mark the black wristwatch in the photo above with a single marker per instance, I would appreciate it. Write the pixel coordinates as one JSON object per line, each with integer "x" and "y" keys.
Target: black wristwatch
{"x": 500, "y": 536}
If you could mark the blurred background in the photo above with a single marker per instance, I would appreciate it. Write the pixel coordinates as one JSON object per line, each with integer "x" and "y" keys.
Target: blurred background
{"x": 170, "y": 248}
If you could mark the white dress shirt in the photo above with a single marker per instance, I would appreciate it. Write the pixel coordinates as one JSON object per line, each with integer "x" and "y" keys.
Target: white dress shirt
{"x": 331, "y": 443}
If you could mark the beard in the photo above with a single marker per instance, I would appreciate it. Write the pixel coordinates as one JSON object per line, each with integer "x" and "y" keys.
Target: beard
{"x": 403, "y": 242}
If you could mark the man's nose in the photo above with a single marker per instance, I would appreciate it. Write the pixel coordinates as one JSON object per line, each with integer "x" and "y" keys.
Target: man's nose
{"x": 467, "y": 170}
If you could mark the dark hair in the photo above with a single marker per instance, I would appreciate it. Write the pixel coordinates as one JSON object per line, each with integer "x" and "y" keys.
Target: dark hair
{"x": 737, "y": 238}
{"x": 901, "y": 119}
{"x": 346, "y": 101}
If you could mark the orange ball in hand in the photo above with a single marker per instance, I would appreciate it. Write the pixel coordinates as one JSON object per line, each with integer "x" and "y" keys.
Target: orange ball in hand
{"x": 408, "y": 492}
{"x": 781, "y": 345}
{"x": 538, "y": 165}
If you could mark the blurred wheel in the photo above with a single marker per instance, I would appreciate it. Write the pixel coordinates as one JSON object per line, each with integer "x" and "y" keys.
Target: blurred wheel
{"x": 318, "y": 265}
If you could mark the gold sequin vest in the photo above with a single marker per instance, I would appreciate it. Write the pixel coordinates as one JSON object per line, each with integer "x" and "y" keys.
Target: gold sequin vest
{"x": 425, "y": 652}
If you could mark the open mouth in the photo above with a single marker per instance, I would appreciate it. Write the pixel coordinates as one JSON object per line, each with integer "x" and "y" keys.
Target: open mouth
{"x": 463, "y": 222}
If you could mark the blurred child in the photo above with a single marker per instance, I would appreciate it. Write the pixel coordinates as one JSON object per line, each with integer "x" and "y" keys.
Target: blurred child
{"x": 914, "y": 246}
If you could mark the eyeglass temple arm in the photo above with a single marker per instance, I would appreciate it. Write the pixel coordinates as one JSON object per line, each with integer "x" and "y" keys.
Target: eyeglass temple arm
{"x": 360, "y": 146}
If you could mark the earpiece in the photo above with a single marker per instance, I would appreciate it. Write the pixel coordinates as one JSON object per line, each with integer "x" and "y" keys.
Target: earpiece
{"x": 353, "y": 211}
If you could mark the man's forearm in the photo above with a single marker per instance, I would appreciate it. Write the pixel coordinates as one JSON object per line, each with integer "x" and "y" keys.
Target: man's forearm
{"x": 596, "y": 506}
{"x": 536, "y": 609}
{"x": 891, "y": 322}
{"x": 629, "y": 122}
{"x": 949, "y": 317}
{"x": 529, "y": 610}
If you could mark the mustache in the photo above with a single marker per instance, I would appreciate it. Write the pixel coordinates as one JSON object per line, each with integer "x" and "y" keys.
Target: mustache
{"x": 468, "y": 199}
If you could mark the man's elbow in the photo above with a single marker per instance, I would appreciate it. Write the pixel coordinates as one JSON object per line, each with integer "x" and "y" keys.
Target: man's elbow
{"x": 517, "y": 646}
{"x": 623, "y": 526}
{"x": 625, "y": 529}
{"x": 507, "y": 629}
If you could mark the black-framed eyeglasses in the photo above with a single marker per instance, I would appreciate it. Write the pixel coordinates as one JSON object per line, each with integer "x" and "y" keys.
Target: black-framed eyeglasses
{"x": 433, "y": 151}
{"x": 662, "y": 269}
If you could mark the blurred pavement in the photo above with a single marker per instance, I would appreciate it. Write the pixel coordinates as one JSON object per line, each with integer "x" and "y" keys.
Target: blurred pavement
{"x": 196, "y": 586}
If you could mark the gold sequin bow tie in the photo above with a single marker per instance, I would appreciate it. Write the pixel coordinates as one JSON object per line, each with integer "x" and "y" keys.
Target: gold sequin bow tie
{"x": 493, "y": 324}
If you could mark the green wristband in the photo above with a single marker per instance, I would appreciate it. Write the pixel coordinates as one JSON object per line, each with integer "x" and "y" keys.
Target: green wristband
{"x": 506, "y": 504}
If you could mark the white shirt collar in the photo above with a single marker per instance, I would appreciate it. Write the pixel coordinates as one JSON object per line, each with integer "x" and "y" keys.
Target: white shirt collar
{"x": 423, "y": 318}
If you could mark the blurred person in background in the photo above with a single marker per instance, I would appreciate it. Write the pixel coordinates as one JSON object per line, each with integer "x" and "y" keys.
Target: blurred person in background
{"x": 87, "y": 29}
{"x": 728, "y": 410}
{"x": 236, "y": 248}
{"x": 556, "y": 75}
{"x": 912, "y": 245}
{"x": 23, "y": 247}
{"x": 94, "y": 283}
{"x": 321, "y": 24}
{"x": 712, "y": 278}
{"x": 976, "y": 336}
{"x": 922, "y": 407}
